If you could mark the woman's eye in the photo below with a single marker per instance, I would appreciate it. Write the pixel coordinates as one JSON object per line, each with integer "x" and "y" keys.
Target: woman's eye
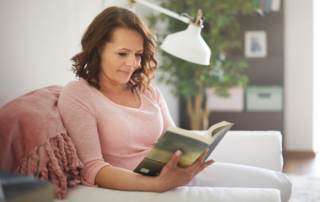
{"x": 138, "y": 55}
{"x": 122, "y": 54}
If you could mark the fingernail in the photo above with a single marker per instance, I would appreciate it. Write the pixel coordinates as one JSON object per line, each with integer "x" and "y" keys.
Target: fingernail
{"x": 178, "y": 153}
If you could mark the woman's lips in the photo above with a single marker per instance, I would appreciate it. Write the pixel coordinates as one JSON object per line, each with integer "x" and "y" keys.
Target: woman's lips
{"x": 125, "y": 73}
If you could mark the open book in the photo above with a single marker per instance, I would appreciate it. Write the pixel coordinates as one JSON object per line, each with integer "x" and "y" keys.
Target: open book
{"x": 191, "y": 144}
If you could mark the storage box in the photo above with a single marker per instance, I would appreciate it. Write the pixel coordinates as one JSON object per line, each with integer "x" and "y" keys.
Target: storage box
{"x": 235, "y": 102}
{"x": 264, "y": 98}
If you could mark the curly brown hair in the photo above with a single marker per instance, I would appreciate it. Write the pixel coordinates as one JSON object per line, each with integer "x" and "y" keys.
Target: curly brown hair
{"x": 86, "y": 64}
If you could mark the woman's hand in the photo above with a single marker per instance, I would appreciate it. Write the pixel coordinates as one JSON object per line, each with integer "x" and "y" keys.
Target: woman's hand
{"x": 172, "y": 175}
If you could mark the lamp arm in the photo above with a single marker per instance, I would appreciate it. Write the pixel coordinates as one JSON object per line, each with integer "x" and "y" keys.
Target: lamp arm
{"x": 163, "y": 10}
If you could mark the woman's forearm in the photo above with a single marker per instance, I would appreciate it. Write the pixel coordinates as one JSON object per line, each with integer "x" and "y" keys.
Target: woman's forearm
{"x": 120, "y": 179}
{"x": 171, "y": 176}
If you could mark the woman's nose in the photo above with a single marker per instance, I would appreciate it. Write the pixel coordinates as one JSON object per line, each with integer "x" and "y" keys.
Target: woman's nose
{"x": 132, "y": 61}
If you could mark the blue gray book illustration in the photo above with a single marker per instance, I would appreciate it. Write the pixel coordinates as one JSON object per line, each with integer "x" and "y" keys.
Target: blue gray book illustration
{"x": 190, "y": 143}
{"x": 15, "y": 188}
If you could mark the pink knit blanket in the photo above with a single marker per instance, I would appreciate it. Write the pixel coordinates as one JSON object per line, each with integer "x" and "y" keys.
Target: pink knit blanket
{"x": 34, "y": 142}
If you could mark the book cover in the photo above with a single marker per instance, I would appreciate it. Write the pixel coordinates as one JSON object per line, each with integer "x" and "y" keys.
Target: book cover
{"x": 191, "y": 144}
{"x": 17, "y": 187}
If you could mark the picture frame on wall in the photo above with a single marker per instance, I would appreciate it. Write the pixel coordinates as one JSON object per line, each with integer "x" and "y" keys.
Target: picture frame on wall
{"x": 255, "y": 44}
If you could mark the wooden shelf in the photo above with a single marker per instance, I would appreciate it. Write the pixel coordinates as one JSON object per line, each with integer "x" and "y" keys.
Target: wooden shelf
{"x": 250, "y": 120}
{"x": 268, "y": 71}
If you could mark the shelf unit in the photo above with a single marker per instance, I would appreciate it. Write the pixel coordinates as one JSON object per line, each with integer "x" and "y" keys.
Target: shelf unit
{"x": 266, "y": 71}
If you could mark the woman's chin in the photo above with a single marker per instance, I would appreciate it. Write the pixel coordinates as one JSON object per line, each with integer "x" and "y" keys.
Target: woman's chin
{"x": 124, "y": 80}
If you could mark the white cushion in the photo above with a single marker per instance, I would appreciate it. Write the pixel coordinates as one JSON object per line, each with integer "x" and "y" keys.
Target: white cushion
{"x": 82, "y": 193}
{"x": 253, "y": 148}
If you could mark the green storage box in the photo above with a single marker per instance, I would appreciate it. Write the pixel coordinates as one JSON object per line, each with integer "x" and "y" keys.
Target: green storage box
{"x": 264, "y": 98}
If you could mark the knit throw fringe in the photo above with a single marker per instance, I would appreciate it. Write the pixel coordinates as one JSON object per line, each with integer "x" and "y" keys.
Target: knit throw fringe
{"x": 61, "y": 166}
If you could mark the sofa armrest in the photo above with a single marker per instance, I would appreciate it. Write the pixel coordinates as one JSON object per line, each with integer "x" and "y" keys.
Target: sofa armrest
{"x": 82, "y": 193}
{"x": 253, "y": 148}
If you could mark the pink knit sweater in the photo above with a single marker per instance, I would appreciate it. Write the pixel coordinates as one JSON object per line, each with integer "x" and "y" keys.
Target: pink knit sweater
{"x": 105, "y": 133}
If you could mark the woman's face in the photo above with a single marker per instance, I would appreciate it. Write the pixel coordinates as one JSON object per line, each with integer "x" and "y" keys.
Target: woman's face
{"x": 121, "y": 57}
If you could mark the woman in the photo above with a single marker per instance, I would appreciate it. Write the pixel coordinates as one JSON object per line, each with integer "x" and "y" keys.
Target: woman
{"x": 115, "y": 115}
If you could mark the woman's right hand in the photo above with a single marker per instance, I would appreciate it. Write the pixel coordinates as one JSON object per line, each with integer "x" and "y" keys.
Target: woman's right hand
{"x": 172, "y": 175}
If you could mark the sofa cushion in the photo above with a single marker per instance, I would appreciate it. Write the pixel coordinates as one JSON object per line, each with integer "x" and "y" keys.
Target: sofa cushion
{"x": 261, "y": 149}
{"x": 82, "y": 193}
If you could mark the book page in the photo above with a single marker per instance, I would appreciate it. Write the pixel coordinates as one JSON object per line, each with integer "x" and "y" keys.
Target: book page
{"x": 190, "y": 134}
{"x": 212, "y": 130}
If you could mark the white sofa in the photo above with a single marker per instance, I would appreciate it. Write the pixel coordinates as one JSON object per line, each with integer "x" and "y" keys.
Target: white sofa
{"x": 254, "y": 148}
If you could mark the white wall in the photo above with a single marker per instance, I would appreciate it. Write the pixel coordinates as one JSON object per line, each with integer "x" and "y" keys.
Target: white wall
{"x": 38, "y": 38}
{"x": 33, "y": 51}
{"x": 298, "y": 74}
{"x": 316, "y": 76}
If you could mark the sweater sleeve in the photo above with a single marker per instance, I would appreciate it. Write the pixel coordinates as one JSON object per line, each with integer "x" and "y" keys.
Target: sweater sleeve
{"x": 78, "y": 112}
{"x": 166, "y": 117}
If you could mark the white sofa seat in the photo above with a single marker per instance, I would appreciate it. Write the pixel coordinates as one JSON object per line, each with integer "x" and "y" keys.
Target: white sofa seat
{"x": 254, "y": 148}
{"x": 181, "y": 194}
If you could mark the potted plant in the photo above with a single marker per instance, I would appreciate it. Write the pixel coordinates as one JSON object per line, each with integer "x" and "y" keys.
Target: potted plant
{"x": 190, "y": 80}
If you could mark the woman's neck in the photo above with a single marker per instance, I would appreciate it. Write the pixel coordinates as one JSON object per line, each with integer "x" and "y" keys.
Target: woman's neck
{"x": 108, "y": 86}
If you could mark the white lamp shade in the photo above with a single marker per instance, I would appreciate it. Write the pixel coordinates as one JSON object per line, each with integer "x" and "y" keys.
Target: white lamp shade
{"x": 188, "y": 45}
